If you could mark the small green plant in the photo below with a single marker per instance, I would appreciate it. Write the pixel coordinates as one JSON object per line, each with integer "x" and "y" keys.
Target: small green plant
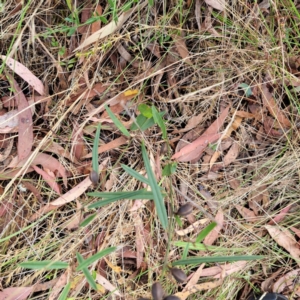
{"x": 83, "y": 265}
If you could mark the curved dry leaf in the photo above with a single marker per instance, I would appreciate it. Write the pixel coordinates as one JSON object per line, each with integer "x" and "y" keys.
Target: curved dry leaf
{"x": 16, "y": 293}
{"x": 247, "y": 214}
{"x": 287, "y": 282}
{"x": 9, "y": 120}
{"x": 272, "y": 107}
{"x": 285, "y": 239}
{"x": 48, "y": 162}
{"x": 111, "y": 27}
{"x": 49, "y": 179}
{"x": 194, "y": 279}
{"x": 280, "y": 216}
{"x": 25, "y": 73}
{"x": 232, "y": 154}
{"x": 182, "y": 49}
{"x": 217, "y": 4}
{"x": 76, "y": 219}
{"x": 107, "y": 285}
{"x": 213, "y": 235}
{"x": 191, "y": 124}
{"x": 97, "y": 25}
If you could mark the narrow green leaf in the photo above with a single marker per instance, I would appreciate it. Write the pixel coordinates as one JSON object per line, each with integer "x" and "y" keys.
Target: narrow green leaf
{"x": 95, "y": 163}
{"x": 202, "y": 235}
{"x": 95, "y": 257}
{"x": 186, "y": 251}
{"x": 135, "y": 174}
{"x": 117, "y": 121}
{"x": 159, "y": 121}
{"x": 44, "y": 264}
{"x": 214, "y": 259}
{"x": 246, "y": 88}
{"x": 65, "y": 292}
{"x": 131, "y": 195}
{"x": 87, "y": 273}
{"x": 88, "y": 220}
{"x": 158, "y": 198}
{"x": 145, "y": 110}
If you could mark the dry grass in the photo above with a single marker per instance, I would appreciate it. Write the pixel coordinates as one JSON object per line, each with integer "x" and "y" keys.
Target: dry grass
{"x": 247, "y": 46}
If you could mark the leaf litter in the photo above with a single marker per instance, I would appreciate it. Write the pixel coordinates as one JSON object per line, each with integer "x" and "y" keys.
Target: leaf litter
{"x": 234, "y": 149}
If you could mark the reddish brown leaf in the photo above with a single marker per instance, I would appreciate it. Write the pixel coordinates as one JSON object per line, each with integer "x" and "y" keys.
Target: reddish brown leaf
{"x": 279, "y": 217}
{"x": 109, "y": 146}
{"x": 297, "y": 231}
{"x": 192, "y": 123}
{"x": 25, "y": 74}
{"x": 78, "y": 144}
{"x": 272, "y": 107}
{"x": 285, "y": 239}
{"x": 49, "y": 179}
{"x": 25, "y": 137}
{"x": 196, "y": 148}
{"x": 60, "y": 284}
{"x": 16, "y": 293}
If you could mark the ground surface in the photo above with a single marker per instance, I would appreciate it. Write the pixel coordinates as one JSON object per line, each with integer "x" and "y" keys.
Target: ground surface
{"x": 204, "y": 109}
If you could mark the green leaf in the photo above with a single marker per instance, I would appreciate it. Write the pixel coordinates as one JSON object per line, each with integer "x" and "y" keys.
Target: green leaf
{"x": 186, "y": 251}
{"x": 95, "y": 163}
{"x": 214, "y": 259}
{"x": 84, "y": 264}
{"x": 117, "y": 122}
{"x": 246, "y": 88}
{"x": 141, "y": 194}
{"x": 159, "y": 121}
{"x": 126, "y": 6}
{"x": 135, "y": 174}
{"x": 169, "y": 169}
{"x": 151, "y": 2}
{"x": 88, "y": 220}
{"x": 87, "y": 273}
{"x": 202, "y": 235}
{"x": 65, "y": 292}
{"x": 44, "y": 264}
{"x": 143, "y": 122}
{"x": 145, "y": 110}
{"x": 158, "y": 198}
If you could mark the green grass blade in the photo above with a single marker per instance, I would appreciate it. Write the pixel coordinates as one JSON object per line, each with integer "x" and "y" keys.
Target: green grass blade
{"x": 159, "y": 121}
{"x": 185, "y": 251}
{"x": 95, "y": 163}
{"x": 65, "y": 292}
{"x": 200, "y": 246}
{"x": 135, "y": 174}
{"x": 158, "y": 198}
{"x": 129, "y": 195}
{"x": 88, "y": 220}
{"x": 117, "y": 122}
{"x": 202, "y": 235}
{"x": 95, "y": 257}
{"x": 87, "y": 273}
{"x": 45, "y": 264}
{"x": 214, "y": 259}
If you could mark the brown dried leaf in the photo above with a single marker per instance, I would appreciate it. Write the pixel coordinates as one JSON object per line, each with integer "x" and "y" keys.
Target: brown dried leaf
{"x": 287, "y": 282}
{"x": 25, "y": 137}
{"x": 7, "y": 150}
{"x": 217, "y": 4}
{"x": 107, "y": 285}
{"x": 280, "y": 216}
{"x": 213, "y": 235}
{"x": 16, "y": 293}
{"x": 296, "y": 230}
{"x": 232, "y": 154}
{"x": 234, "y": 126}
{"x": 24, "y": 73}
{"x": 76, "y": 219}
{"x": 49, "y": 179}
{"x": 285, "y": 239}
{"x": 192, "y": 123}
{"x": 247, "y": 214}
{"x": 273, "y": 108}
{"x": 97, "y": 25}
{"x": 78, "y": 145}
{"x": 194, "y": 279}
{"x": 191, "y": 228}
{"x": 109, "y": 146}
{"x": 181, "y": 48}
{"x": 139, "y": 241}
